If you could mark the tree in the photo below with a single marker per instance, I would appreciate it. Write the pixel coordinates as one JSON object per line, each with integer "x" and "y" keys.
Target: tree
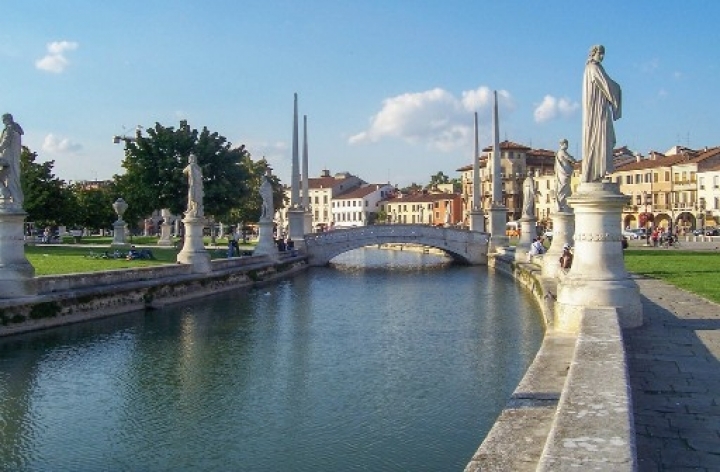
{"x": 154, "y": 177}
{"x": 48, "y": 201}
{"x": 95, "y": 209}
{"x": 439, "y": 178}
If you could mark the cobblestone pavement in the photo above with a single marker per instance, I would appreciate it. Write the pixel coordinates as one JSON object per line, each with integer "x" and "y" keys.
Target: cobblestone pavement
{"x": 674, "y": 368}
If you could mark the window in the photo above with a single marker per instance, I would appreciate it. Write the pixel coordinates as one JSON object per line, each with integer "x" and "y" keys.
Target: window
{"x": 667, "y": 176}
{"x": 638, "y": 178}
{"x": 655, "y": 176}
{"x": 648, "y": 178}
{"x": 628, "y": 179}
{"x": 325, "y": 199}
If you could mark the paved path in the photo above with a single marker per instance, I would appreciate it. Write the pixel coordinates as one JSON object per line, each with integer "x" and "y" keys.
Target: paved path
{"x": 674, "y": 366}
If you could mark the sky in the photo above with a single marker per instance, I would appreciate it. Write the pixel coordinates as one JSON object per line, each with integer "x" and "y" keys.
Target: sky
{"x": 389, "y": 87}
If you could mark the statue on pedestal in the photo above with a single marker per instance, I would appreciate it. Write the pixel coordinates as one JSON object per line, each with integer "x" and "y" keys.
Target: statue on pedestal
{"x": 266, "y": 192}
{"x": 602, "y": 100}
{"x": 10, "y": 148}
{"x": 563, "y": 171}
{"x": 528, "y": 210}
{"x": 195, "y": 188}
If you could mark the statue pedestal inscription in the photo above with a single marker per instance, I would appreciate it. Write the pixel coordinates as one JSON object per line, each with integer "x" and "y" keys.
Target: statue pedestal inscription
{"x": 597, "y": 277}
{"x": 17, "y": 275}
{"x": 193, "y": 251}
{"x": 563, "y": 230}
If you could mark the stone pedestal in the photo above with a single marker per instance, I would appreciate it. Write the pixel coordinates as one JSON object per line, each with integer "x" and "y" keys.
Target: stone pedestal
{"x": 193, "y": 251}
{"x": 166, "y": 234}
{"x": 563, "y": 231}
{"x": 597, "y": 277}
{"x": 17, "y": 275}
{"x": 477, "y": 220}
{"x": 498, "y": 221}
{"x": 307, "y": 223}
{"x": 119, "y": 237}
{"x": 266, "y": 242}
{"x": 296, "y": 227}
{"x": 528, "y": 233}
{"x": 166, "y": 229}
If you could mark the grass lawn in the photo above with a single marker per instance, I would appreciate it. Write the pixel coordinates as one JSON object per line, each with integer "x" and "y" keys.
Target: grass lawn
{"x": 695, "y": 272}
{"x": 52, "y": 260}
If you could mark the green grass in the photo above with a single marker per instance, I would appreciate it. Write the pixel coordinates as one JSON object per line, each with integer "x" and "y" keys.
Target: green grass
{"x": 55, "y": 260}
{"x": 696, "y": 272}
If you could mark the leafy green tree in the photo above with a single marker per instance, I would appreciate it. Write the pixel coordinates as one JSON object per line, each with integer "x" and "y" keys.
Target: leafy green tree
{"x": 154, "y": 176}
{"x": 439, "y": 178}
{"x": 48, "y": 201}
{"x": 249, "y": 209}
{"x": 411, "y": 189}
{"x": 95, "y": 209}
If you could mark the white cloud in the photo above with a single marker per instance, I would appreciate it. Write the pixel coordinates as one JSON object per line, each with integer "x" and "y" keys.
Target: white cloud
{"x": 58, "y": 145}
{"x": 55, "y": 61}
{"x": 435, "y": 117}
{"x": 552, "y": 108}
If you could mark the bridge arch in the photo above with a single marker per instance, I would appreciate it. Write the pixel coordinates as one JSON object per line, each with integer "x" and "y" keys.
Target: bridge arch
{"x": 470, "y": 247}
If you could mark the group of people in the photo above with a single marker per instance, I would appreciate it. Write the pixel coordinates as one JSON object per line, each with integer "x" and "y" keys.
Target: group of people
{"x": 661, "y": 236}
{"x": 537, "y": 248}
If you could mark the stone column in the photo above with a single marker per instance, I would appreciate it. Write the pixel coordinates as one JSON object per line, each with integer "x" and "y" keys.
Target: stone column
{"x": 166, "y": 228}
{"x": 597, "y": 277}
{"x": 193, "y": 250}
{"x": 119, "y": 239}
{"x": 563, "y": 230}
{"x": 17, "y": 275}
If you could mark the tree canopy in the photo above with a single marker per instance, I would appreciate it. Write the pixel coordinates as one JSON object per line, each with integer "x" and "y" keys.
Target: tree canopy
{"x": 48, "y": 201}
{"x": 154, "y": 177}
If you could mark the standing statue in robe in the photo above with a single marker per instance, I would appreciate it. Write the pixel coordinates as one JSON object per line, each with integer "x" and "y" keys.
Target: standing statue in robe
{"x": 602, "y": 100}
{"x": 266, "y": 192}
{"x": 528, "y": 210}
{"x": 564, "y": 164}
{"x": 195, "y": 188}
{"x": 10, "y": 148}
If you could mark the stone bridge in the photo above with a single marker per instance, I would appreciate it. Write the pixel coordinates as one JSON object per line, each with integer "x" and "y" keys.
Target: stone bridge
{"x": 469, "y": 247}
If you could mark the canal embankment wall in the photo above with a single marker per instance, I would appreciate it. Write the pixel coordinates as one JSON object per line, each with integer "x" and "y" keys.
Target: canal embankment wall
{"x": 573, "y": 409}
{"x": 72, "y": 298}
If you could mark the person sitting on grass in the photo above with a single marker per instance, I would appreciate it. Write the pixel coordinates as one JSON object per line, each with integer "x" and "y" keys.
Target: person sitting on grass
{"x": 133, "y": 254}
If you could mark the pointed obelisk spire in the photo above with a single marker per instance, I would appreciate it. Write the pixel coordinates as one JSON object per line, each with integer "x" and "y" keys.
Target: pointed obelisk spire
{"x": 497, "y": 156}
{"x": 497, "y": 211}
{"x": 295, "y": 178}
{"x": 476, "y": 170}
{"x": 305, "y": 176}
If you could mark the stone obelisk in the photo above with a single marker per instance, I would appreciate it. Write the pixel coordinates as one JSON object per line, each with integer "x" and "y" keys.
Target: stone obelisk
{"x": 497, "y": 210}
{"x": 307, "y": 225}
{"x": 477, "y": 216}
{"x": 296, "y": 213}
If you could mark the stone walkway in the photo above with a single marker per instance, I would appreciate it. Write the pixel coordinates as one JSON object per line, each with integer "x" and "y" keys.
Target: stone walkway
{"x": 674, "y": 367}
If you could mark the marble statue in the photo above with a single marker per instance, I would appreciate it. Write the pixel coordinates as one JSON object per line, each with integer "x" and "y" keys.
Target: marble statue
{"x": 195, "y": 188}
{"x": 266, "y": 192}
{"x": 10, "y": 148}
{"x": 563, "y": 171}
{"x": 528, "y": 210}
{"x": 602, "y": 99}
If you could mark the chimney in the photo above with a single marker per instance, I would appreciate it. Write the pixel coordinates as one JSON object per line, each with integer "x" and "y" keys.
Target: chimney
{"x": 638, "y": 157}
{"x": 325, "y": 173}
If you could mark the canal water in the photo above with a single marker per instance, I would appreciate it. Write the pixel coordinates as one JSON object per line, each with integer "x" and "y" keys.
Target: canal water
{"x": 384, "y": 361}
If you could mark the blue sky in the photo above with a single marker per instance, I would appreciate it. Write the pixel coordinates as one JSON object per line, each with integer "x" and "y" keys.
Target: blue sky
{"x": 389, "y": 86}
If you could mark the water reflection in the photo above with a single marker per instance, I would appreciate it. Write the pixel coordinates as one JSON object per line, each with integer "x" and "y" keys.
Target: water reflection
{"x": 352, "y": 367}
